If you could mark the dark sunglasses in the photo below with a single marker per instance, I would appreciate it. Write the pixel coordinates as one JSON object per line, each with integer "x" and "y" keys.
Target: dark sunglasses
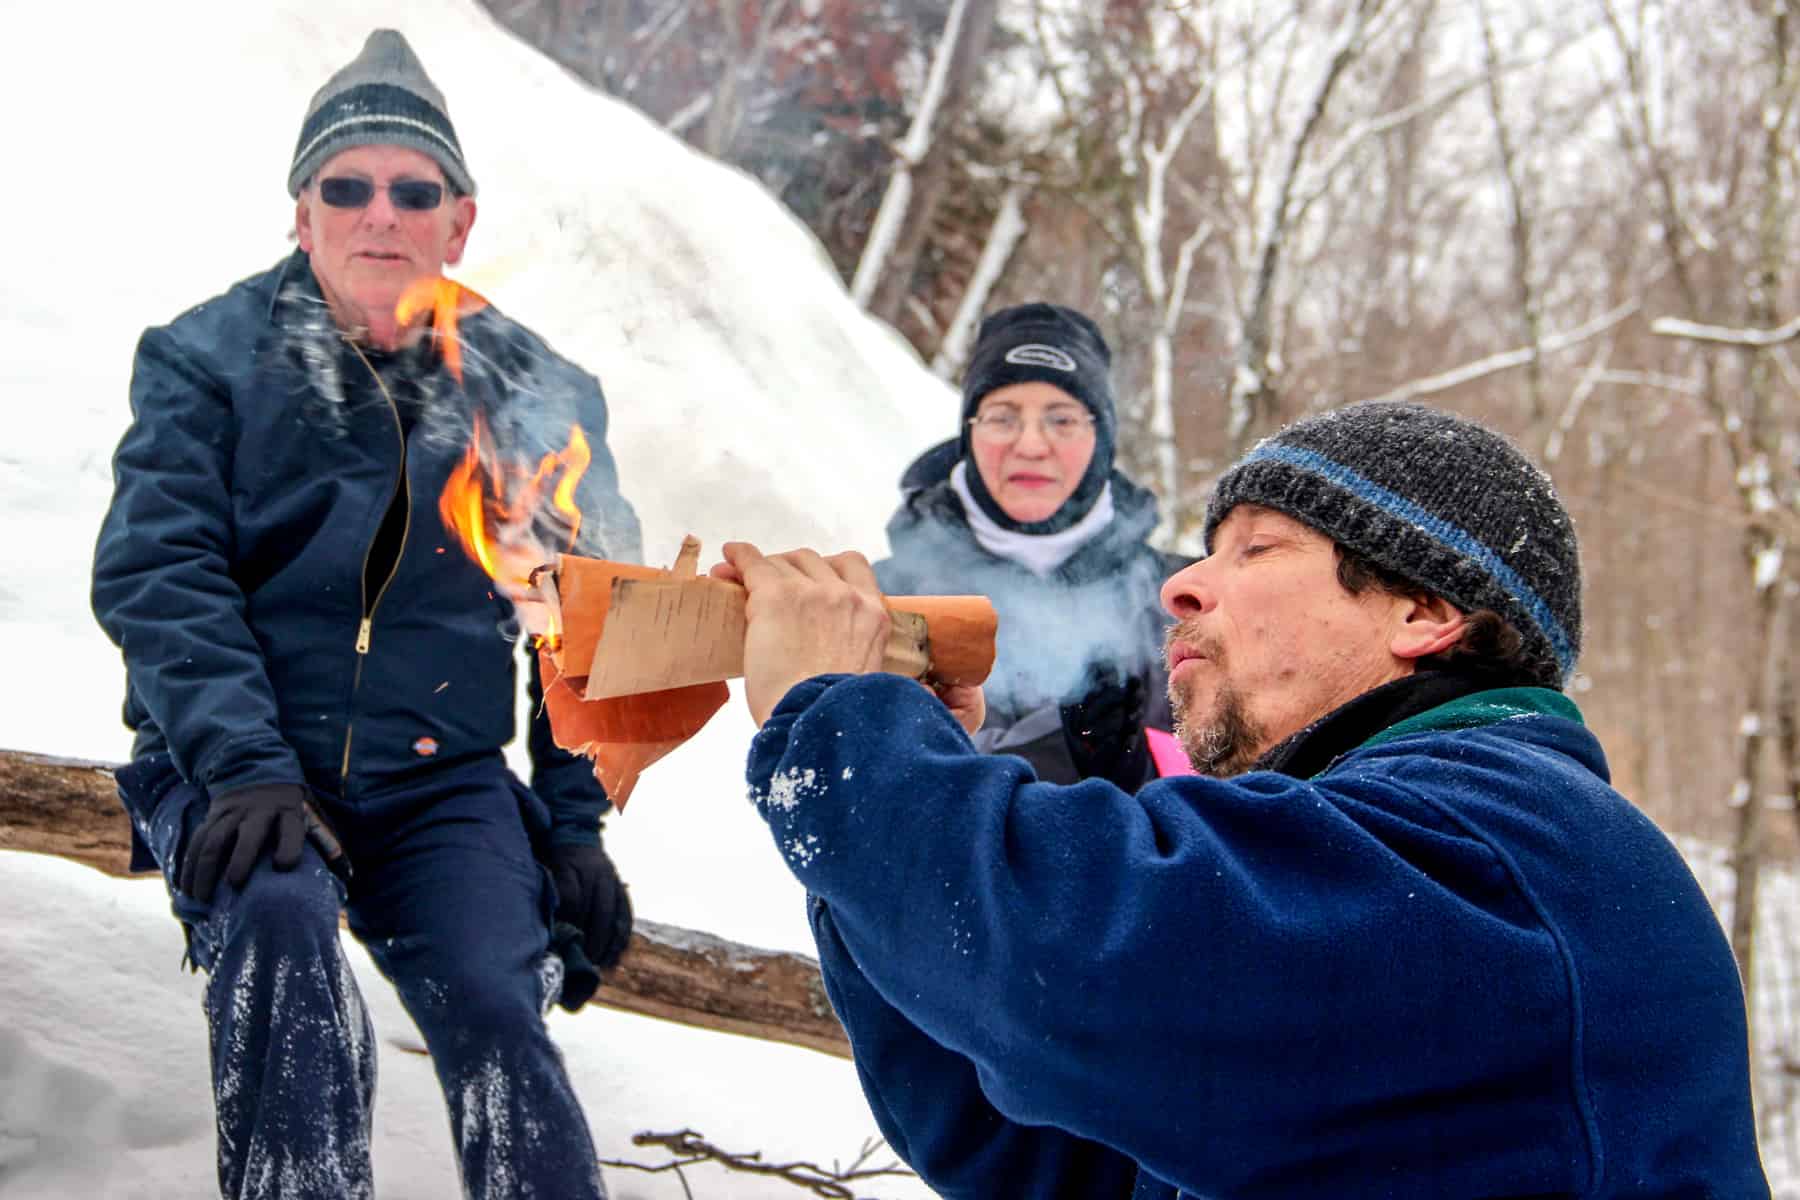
{"x": 408, "y": 195}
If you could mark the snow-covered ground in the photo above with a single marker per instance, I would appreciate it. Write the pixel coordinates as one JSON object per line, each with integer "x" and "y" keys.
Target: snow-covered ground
{"x": 749, "y": 400}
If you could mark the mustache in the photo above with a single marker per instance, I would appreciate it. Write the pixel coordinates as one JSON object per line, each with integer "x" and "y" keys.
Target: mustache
{"x": 1187, "y": 632}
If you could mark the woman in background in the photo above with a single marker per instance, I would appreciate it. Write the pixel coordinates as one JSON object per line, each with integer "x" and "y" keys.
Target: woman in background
{"x": 1026, "y": 508}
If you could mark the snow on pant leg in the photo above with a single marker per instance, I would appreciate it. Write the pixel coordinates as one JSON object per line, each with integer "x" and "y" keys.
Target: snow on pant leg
{"x": 293, "y": 1056}
{"x": 456, "y": 911}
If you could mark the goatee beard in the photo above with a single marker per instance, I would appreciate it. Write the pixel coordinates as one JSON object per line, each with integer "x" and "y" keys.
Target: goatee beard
{"x": 1224, "y": 746}
{"x": 1229, "y": 743}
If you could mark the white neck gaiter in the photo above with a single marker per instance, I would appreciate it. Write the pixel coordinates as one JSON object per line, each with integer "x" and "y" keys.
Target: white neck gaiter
{"x": 1039, "y": 553}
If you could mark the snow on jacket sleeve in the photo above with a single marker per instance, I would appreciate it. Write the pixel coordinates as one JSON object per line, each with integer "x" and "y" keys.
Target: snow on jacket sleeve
{"x": 1248, "y": 987}
{"x": 930, "y": 1107}
{"x": 162, "y": 586}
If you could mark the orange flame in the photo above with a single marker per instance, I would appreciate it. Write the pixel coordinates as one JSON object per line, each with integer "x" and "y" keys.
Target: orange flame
{"x": 447, "y": 301}
{"x": 497, "y": 510}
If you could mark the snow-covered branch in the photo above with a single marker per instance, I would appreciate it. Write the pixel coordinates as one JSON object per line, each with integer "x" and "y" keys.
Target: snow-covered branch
{"x": 891, "y": 216}
{"x": 1004, "y": 236}
{"x": 1249, "y": 380}
{"x": 1507, "y": 359}
{"x": 1511, "y": 173}
{"x": 1752, "y": 339}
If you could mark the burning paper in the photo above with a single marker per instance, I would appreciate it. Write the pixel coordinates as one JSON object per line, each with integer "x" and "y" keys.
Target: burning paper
{"x": 510, "y": 516}
{"x": 633, "y": 659}
{"x": 625, "y": 733}
{"x": 512, "y": 519}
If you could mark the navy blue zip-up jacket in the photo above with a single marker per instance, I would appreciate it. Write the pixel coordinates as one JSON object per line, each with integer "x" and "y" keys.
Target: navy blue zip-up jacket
{"x": 1455, "y": 963}
{"x": 234, "y": 567}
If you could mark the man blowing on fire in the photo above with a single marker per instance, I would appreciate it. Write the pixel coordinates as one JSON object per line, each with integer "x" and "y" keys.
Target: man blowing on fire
{"x": 1400, "y": 939}
{"x": 320, "y": 679}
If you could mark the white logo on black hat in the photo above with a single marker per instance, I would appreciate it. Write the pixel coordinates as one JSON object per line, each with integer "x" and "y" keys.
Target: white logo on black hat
{"x": 1036, "y": 354}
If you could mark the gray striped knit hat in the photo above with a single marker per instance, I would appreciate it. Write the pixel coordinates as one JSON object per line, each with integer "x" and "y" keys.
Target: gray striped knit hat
{"x": 1437, "y": 499}
{"x": 382, "y": 98}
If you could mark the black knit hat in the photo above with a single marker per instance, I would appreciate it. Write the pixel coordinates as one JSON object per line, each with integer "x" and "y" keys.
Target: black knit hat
{"x": 382, "y": 98}
{"x": 1044, "y": 343}
{"x": 1437, "y": 499}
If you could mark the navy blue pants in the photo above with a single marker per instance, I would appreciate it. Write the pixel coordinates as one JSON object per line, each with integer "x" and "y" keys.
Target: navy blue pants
{"x": 455, "y": 910}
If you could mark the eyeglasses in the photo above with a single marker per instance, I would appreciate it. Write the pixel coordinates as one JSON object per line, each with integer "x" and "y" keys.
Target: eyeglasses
{"x": 407, "y": 195}
{"x": 1002, "y": 425}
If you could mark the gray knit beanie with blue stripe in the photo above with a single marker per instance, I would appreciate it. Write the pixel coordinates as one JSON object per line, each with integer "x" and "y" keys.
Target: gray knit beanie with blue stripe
{"x": 1437, "y": 499}
{"x": 382, "y": 97}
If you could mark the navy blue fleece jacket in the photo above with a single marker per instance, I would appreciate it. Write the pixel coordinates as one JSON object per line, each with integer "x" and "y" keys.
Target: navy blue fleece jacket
{"x": 1456, "y": 963}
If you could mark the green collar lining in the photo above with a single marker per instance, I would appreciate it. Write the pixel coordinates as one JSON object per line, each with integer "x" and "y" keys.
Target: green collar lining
{"x": 1483, "y": 708}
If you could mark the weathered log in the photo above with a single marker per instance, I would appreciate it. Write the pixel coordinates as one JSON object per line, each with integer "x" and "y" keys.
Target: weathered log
{"x": 70, "y": 808}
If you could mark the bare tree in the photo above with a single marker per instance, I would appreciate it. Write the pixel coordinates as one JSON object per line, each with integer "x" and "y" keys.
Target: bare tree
{"x": 1759, "y": 443}
{"x": 921, "y": 161}
{"x": 748, "y": 36}
{"x": 1008, "y": 230}
{"x": 1519, "y": 216}
{"x": 1253, "y": 384}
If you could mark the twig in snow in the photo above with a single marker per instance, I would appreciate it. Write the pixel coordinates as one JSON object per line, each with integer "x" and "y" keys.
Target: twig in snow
{"x": 690, "y": 1148}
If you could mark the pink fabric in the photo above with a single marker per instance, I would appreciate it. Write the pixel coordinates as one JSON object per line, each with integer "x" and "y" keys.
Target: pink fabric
{"x": 1167, "y": 754}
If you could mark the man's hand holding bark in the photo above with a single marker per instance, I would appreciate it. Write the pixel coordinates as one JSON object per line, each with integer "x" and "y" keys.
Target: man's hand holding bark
{"x": 814, "y": 615}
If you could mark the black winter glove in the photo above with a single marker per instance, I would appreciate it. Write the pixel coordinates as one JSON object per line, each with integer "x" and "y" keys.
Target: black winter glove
{"x": 238, "y": 825}
{"x": 1104, "y": 731}
{"x": 591, "y": 899}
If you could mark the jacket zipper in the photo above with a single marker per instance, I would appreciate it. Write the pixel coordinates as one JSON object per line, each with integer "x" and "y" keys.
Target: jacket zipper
{"x": 365, "y": 630}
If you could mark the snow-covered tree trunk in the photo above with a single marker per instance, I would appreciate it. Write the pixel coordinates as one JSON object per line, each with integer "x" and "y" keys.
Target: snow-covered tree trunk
{"x": 1762, "y": 542}
{"x": 1172, "y": 307}
{"x": 1787, "y": 715}
{"x": 1147, "y": 163}
{"x": 1008, "y": 230}
{"x": 890, "y": 218}
{"x": 1747, "y": 794}
{"x": 1760, "y": 448}
{"x": 1253, "y": 384}
{"x": 1524, "y": 270}
{"x": 724, "y": 110}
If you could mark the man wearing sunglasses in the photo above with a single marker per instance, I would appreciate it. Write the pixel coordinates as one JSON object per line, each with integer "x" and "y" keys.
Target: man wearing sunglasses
{"x": 321, "y": 681}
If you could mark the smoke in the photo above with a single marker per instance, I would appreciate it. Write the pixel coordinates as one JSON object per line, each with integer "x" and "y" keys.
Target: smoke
{"x": 1057, "y": 640}
{"x": 313, "y": 340}
{"x": 528, "y": 398}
